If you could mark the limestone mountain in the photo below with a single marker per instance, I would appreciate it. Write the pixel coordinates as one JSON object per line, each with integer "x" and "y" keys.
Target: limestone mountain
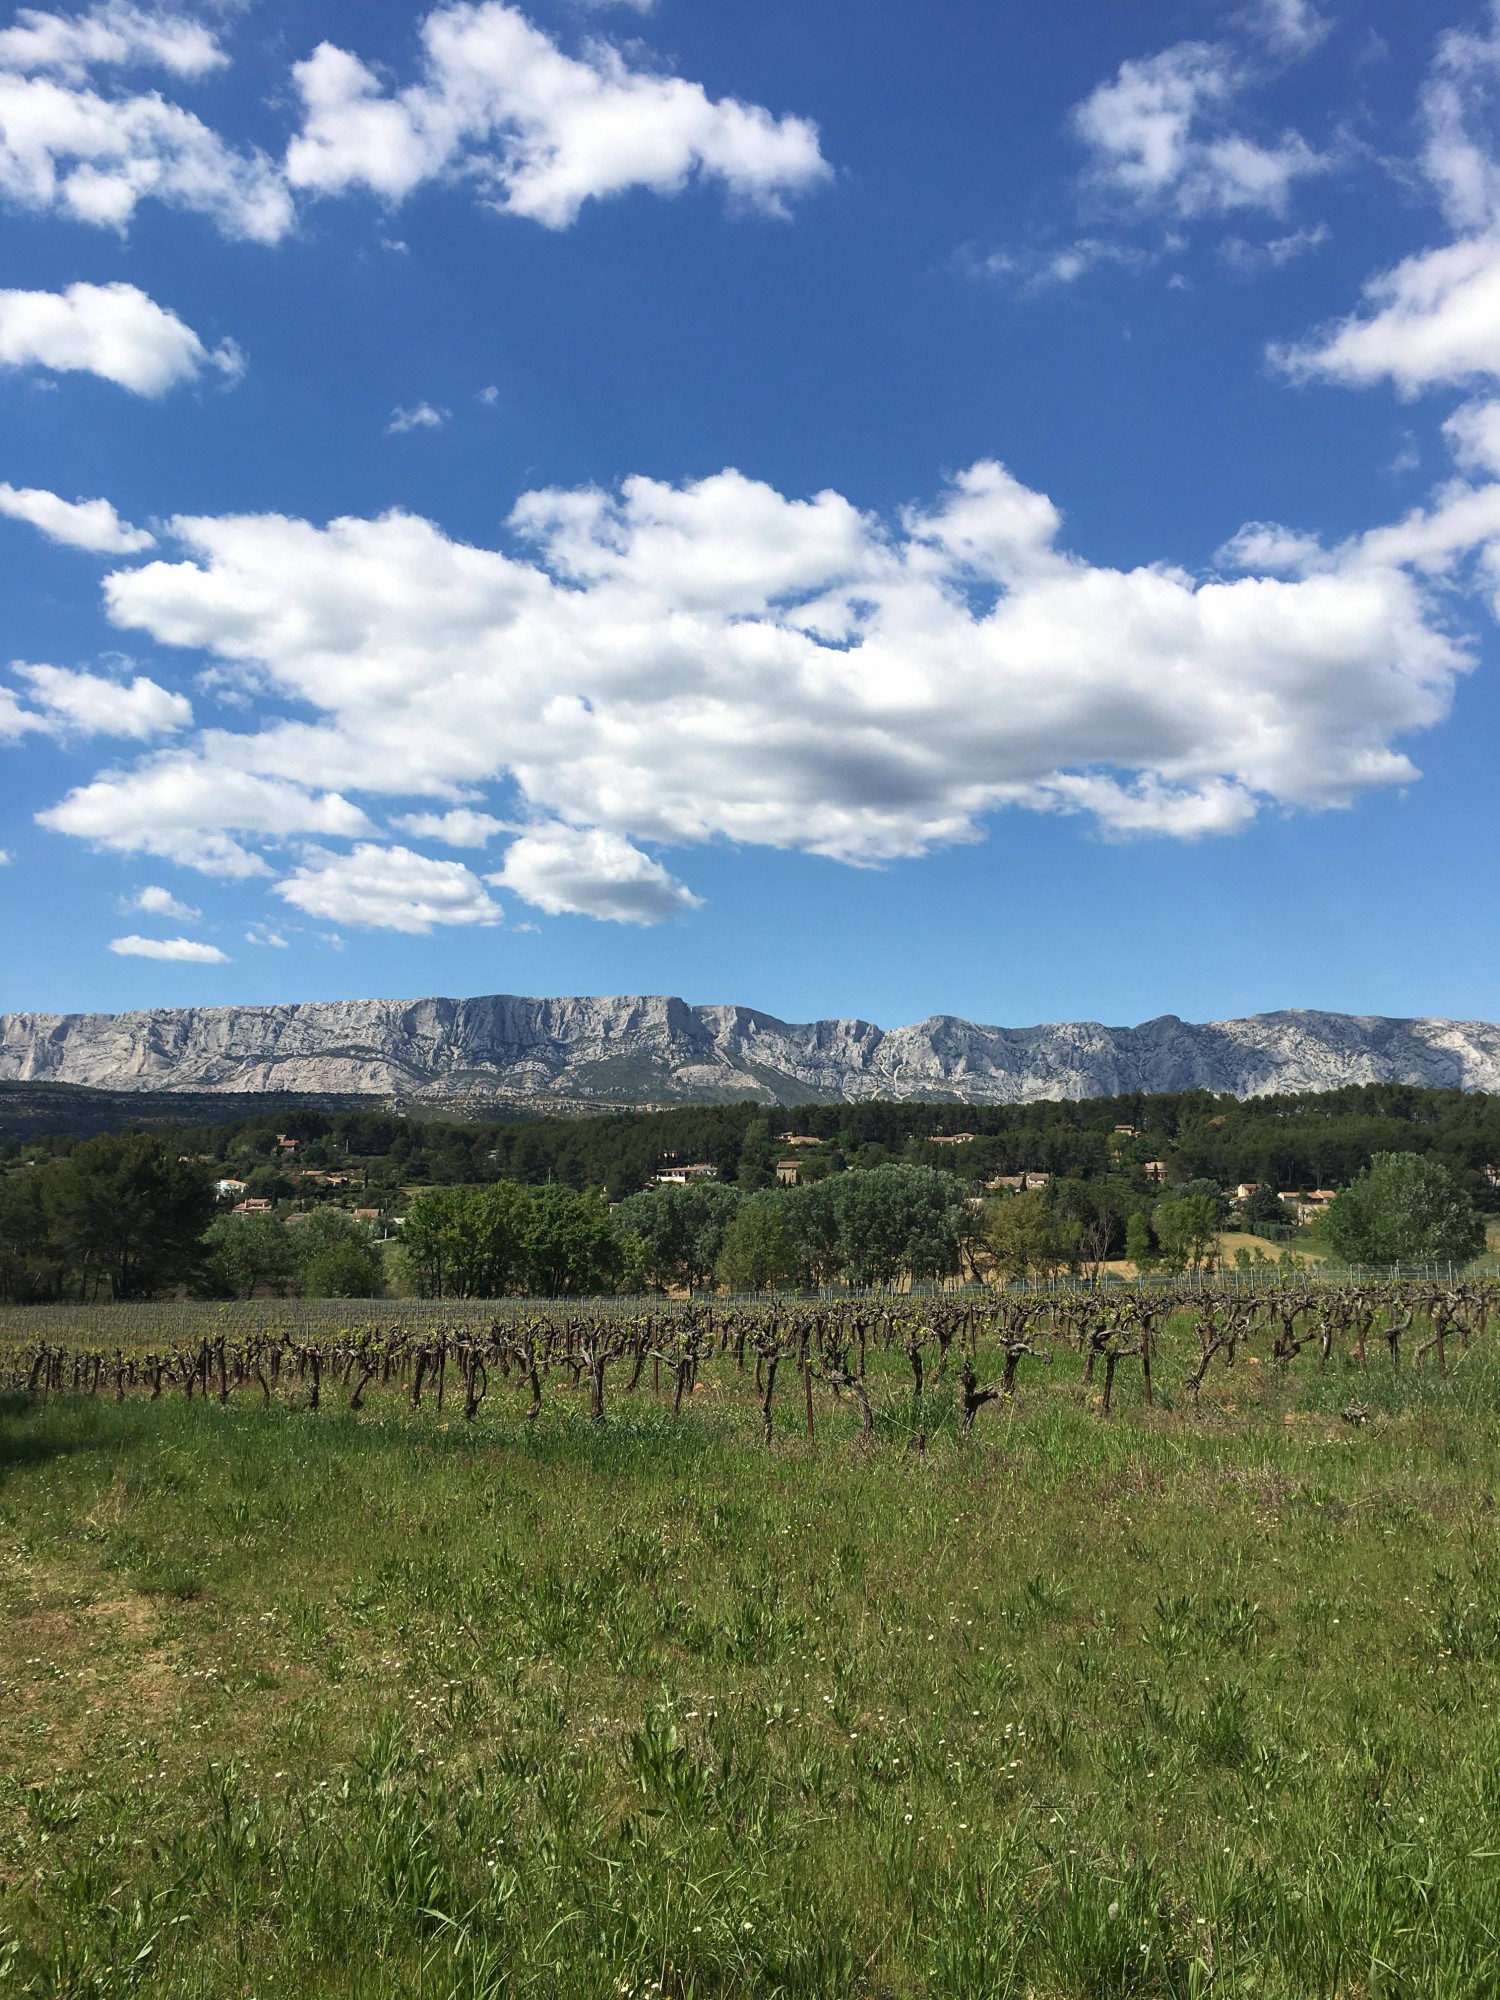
{"x": 657, "y": 1050}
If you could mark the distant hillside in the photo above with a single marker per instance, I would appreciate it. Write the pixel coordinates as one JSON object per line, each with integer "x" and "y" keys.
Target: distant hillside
{"x": 504, "y": 1050}
{"x": 51, "y": 1110}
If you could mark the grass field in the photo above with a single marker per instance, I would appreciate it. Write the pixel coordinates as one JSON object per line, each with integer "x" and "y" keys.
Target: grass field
{"x": 378, "y": 1705}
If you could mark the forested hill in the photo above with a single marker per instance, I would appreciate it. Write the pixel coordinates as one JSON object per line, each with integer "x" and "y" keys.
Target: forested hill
{"x": 1306, "y": 1141}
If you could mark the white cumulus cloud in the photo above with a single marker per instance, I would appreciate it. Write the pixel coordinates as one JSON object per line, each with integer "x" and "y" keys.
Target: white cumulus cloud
{"x": 674, "y": 665}
{"x": 69, "y": 149}
{"x": 574, "y": 871}
{"x": 1433, "y": 320}
{"x": 461, "y": 827}
{"x": 1473, "y": 435}
{"x": 95, "y": 706}
{"x": 15, "y": 721}
{"x": 185, "y": 951}
{"x": 113, "y": 33}
{"x": 537, "y": 131}
{"x": 497, "y": 106}
{"x": 114, "y": 331}
{"x": 186, "y": 808}
{"x": 75, "y": 704}
{"x": 388, "y": 888}
{"x": 158, "y": 902}
{"x": 80, "y": 524}
{"x": 1162, "y": 138}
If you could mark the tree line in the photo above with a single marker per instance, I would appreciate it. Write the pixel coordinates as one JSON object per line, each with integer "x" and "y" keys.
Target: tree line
{"x": 881, "y": 1226}
{"x": 1299, "y": 1141}
{"x": 126, "y": 1217}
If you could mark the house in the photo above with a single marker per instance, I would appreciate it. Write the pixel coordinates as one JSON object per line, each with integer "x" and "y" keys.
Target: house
{"x": 222, "y": 1188}
{"x": 800, "y": 1139}
{"x": 284, "y": 1144}
{"x": 367, "y": 1215}
{"x": 787, "y": 1172}
{"x": 1155, "y": 1170}
{"x": 1019, "y": 1183}
{"x": 1127, "y": 1131}
{"x": 682, "y": 1176}
{"x": 256, "y": 1205}
{"x": 1245, "y": 1189}
{"x": 951, "y": 1139}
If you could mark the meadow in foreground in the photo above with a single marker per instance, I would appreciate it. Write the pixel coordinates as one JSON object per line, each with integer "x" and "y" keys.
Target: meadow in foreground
{"x": 378, "y": 1703}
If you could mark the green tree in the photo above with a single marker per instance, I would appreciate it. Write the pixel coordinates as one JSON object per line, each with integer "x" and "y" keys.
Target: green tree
{"x": 761, "y": 1249}
{"x": 31, "y": 1266}
{"x": 1139, "y": 1247}
{"x": 1187, "y": 1228}
{"x": 248, "y": 1252}
{"x": 897, "y": 1220}
{"x": 1092, "y": 1206}
{"x": 1265, "y": 1207}
{"x": 757, "y": 1168}
{"x": 572, "y": 1245}
{"x": 1404, "y": 1208}
{"x": 129, "y": 1215}
{"x": 972, "y": 1235}
{"x": 682, "y": 1228}
{"x": 468, "y": 1242}
{"x": 1024, "y": 1240}
{"x": 1211, "y": 1192}
{"x": 814, "y": 1219}
{"x": 337, "y": 1256}
{"x": 344, "y": 1269}
{"x": 435, "y": 1243}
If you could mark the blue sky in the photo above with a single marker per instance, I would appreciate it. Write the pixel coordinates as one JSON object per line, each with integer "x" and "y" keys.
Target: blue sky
{"x": 870, "y": 510}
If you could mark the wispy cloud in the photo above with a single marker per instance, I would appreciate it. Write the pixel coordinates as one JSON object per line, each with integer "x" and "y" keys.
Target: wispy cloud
{"x": 1163, "y": 138}
{"x": 1251, "y": 259}
{"x": 1433, "y": 320}
{"x": 182, "y": 951}
{"x": 420, "y": 417}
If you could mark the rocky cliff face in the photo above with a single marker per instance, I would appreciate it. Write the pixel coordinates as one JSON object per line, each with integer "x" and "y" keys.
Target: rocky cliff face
{"x": 657, "y": 1050}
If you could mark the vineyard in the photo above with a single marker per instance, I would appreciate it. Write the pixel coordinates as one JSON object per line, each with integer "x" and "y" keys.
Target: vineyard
{"x": 1029, "y": 1645}
{"x": 838, "y": 1353}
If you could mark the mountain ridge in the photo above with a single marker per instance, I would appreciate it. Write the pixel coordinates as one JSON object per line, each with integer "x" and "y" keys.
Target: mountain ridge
{"x": 658, "y": 1049}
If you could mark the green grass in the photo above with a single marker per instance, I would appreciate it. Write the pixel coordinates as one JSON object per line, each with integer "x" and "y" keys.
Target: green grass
{"x": 1189, "y": 1703}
